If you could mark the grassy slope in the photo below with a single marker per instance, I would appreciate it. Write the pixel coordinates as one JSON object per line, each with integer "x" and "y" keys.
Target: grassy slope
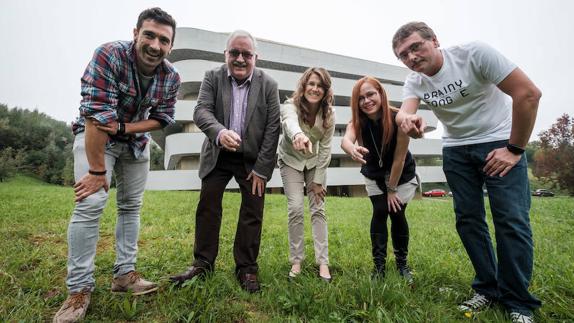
{"x": 34, "y": 218}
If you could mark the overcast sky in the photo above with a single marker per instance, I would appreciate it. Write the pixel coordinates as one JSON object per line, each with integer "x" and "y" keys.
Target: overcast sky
{"x": 47, "y": 44}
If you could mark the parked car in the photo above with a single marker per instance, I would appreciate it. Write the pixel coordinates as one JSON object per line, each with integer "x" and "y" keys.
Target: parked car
{"x": 542, "y": 192}
{"x": 449, "y": 193}
{"x": 435, "y": 193}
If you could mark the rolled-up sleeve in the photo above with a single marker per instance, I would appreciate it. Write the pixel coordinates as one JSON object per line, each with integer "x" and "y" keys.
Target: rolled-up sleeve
{"x": 99, "y": 87}
{"x": 290, "y": 120}
{"x": 324, "y": 154}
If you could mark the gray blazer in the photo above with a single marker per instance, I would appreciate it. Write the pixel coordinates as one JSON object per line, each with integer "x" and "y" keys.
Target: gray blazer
{"x": 262, "y": 121}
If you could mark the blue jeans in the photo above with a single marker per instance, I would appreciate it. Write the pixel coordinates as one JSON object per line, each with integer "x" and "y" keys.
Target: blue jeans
{"x": 507, "y": 279}
{"x": 131, "y": 176}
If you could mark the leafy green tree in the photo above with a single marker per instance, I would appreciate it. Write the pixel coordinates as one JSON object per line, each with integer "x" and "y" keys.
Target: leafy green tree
{"x": 39, "y": 144}
{"x": 10, "y": 162}
{"x": 156, "y": 157}
{"x": 530, "y": 150}
{"x": 555, "y": 158}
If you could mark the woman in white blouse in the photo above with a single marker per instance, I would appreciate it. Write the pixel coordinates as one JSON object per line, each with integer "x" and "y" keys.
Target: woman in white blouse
{"x": 308, "y": 121}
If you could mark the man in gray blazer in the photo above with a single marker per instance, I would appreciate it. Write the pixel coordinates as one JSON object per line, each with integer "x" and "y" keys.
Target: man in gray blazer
{"x": 238, "y": 111}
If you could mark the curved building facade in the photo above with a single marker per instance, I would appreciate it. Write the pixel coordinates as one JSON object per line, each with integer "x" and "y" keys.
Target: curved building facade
{"x": 196, "y": 51}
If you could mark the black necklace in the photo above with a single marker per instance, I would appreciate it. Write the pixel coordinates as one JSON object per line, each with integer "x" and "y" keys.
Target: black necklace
{"x": 379, "y": 154}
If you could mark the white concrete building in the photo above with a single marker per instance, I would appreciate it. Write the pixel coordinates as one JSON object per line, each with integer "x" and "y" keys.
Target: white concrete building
{"x": 196, "y": 51}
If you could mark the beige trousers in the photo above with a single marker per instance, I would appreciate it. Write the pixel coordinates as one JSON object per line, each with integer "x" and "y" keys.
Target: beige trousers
{"x": 294, "y": 182}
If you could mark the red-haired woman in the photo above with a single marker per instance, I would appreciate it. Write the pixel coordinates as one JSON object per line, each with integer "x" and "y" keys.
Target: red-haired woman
{"x": 308, "y": 122}
{"x": 372, "y": 138}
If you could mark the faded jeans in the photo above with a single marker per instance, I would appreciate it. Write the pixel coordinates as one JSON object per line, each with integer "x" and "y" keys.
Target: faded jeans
{"x": 130, "y": 175}
{"x": 505, "y": 276}
{"x": 294, "y": 183}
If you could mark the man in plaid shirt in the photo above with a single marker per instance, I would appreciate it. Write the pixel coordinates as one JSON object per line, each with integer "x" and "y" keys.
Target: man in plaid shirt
{"x": 128, "y": 89}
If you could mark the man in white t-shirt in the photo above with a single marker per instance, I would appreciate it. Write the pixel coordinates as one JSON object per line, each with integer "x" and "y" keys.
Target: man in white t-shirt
{"x": 488, "y": 108}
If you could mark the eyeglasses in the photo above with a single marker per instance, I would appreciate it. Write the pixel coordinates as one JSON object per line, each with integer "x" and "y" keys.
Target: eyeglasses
{"x": 369, "y": 95}
{"x": 414, "y": 48}
{"x": 236, "y": 52}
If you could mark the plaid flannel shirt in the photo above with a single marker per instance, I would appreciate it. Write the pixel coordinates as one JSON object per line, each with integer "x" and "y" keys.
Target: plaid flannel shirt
{"x": 110, "y": 92}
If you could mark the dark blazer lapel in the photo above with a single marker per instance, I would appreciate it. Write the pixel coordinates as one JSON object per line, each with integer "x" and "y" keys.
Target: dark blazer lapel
{"x": 226, "y": 96}
{"x": 253, "y": 95}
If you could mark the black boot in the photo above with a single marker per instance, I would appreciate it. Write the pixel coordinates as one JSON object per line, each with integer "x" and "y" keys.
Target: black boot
{"x": 400, "y": 246}
{"x": 379, "y": 243}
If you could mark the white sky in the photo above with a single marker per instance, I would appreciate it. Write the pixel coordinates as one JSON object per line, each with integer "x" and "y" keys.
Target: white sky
{"x": 47, "y": 44}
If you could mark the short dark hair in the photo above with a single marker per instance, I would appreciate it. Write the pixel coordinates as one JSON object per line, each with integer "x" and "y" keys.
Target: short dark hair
{"x": 159, "y": 16}
{"x": 407, "y": 29}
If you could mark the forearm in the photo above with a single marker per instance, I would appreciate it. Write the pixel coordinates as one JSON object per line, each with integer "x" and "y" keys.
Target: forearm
{"x": 349, "y": 140}
{"x": 290, "y": 121}
{"x": 347, "y": 145}
{"x": 525, "y": 97}
{"x": 324, "y": 149}
{"x": 409, "y": 107}
{"x": 396, "y": 171}
{"x": 204, "y": 112}
{"x": 399, "y": 158}
{"x": 400, "y": 117}
{"x": 142, "y": 126}
{"x": 95, "y": 142}
{"x": 323, "y": 161}
{"x": 266, "y": 156}
{"x": 523, "y": 118}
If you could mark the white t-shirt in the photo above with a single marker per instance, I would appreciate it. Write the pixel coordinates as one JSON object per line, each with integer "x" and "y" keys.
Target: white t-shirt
{"x": 463, "y": 94}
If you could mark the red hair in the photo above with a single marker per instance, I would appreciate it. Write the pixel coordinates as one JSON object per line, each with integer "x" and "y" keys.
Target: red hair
{"x": 359, "y": 118}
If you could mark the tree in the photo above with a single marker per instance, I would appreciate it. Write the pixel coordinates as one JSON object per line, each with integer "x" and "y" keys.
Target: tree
{"x": 156, "y": 157}
{"x": 34, "y": 143}
{"x": 530, "y": 150}
{"x": 555, "y": 158}
{"x": 10, "y": 162}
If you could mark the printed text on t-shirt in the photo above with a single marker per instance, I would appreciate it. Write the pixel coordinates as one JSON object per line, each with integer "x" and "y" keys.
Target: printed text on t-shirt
{"x": 443, "y": 96}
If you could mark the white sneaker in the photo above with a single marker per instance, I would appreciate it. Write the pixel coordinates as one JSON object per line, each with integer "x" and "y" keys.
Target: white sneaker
{"x": 477, "y": 303}
{"x": 521, "y": 318}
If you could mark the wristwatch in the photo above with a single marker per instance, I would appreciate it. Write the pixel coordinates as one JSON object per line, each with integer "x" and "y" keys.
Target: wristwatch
{"x": 515, "y": 149}
{"x": 121, "y": 129}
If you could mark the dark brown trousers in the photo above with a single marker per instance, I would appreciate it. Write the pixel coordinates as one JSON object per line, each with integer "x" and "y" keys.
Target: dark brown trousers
{"x": 209, "y": 213}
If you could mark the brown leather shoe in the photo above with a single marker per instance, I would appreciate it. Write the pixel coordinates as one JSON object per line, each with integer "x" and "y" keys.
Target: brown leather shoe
{"x": 74, "y": 308}
{"x": 134, "y": 283}
{"x": 189, "y": 274}
{"x": 248, "y": 282}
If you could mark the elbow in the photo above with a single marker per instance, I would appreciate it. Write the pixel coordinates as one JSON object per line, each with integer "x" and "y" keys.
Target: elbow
{"x": 532, "y": 95}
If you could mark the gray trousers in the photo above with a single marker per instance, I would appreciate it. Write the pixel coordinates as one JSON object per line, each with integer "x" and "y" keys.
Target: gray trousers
{"x": 131, "y": 176}
{"x": 294, "y": 183}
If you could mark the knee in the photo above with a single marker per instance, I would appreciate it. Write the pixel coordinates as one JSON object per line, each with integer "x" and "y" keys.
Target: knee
{"x": 318, "y": 216}
{"x": 129, "y": 204}
{"x": 296, "y": 214}
{"x": 90, "y": 208}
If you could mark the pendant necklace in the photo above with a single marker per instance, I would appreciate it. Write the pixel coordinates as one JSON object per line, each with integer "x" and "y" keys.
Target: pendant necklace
{"x": 379, "y": 154}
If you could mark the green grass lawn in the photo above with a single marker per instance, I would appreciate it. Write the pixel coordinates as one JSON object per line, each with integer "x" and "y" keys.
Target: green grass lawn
{"x": 34, "y": 218}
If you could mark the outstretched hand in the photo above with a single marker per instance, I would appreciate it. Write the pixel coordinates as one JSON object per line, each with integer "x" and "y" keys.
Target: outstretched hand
{"x": 414, "y": 126}
{"x": 302, "y": 143}
{"x": 358, "y": 154}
